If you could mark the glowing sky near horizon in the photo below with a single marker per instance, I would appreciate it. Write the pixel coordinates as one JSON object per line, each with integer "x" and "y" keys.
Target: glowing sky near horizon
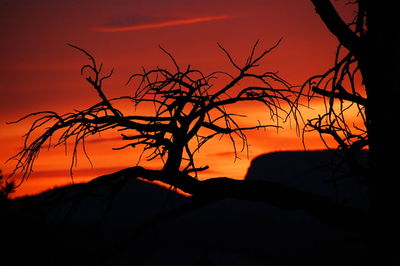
{"x": 38, "y": 71}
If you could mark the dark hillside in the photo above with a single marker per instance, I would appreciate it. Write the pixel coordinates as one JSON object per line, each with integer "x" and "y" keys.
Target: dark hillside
{"x": 148, "y": 225}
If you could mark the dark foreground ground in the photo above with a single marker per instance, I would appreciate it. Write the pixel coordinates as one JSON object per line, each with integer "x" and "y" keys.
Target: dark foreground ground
{"x": 147, "y": 225}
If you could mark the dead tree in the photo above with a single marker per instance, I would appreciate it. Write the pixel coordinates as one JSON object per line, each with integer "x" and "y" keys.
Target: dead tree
{"x": 189, "y": 110}
{"x": 365, "y": 76}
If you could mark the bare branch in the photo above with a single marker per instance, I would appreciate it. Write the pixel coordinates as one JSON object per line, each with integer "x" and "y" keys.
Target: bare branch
{"x": 336, "y": 25}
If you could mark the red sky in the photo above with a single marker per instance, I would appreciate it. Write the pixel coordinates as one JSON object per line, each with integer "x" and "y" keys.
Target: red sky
{"x": 38, "y": 71}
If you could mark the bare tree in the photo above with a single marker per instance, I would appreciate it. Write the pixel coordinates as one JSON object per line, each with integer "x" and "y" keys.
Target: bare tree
{"x": 185, "y": 103}
{"x": 188, "y": 111}
{"x": 6, "y": 187}
{"x": 364, "y": 76}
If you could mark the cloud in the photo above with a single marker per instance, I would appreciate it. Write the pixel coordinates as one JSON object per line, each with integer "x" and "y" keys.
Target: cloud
{"x": 145, "y": 23}
{"x": 103, "y": 139}
{"x": 224, "y": 154}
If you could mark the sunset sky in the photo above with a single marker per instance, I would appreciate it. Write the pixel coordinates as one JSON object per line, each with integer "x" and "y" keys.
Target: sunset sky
{"x": 38, "y": 71}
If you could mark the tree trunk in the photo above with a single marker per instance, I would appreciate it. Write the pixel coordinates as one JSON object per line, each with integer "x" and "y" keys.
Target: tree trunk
{"x": 379, "y": 64}
{"x": 377, "y": 53}
{"x": 174, "y": 159}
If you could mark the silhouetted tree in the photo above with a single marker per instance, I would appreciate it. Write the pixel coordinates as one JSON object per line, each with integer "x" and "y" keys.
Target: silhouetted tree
{"x": 185, "y": 103}
{"x": 365, "y": 76}
{"x": 189, "y": 110}
{"x": 6, "y": 187}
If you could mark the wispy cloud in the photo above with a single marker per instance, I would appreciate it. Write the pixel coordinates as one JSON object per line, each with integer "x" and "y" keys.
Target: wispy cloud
{"x": 158, "y": 24}
{"x": 224, "y": 154}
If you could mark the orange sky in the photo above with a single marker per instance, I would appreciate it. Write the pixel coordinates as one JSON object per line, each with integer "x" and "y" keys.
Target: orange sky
{"x": 38, "y": 71}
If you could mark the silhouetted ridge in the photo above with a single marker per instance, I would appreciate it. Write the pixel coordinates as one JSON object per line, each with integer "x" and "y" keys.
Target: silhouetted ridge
{"x": 149, "y": 225}
{"x": 323, "y": 172}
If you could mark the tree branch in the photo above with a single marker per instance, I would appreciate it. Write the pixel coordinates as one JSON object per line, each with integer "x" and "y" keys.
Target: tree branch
{"x": 336, "y": 25}
{"x": 342, "y": 94}
{"x": 276, "y": 194}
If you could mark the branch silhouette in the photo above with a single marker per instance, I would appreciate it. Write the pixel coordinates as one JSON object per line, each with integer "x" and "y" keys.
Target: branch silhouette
{"x": 188, "y": 111}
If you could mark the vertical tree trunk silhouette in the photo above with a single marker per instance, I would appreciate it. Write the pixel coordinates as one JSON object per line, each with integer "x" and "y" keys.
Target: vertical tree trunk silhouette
{"x": 379, "y": 63}
{"x": 377, "y": 54}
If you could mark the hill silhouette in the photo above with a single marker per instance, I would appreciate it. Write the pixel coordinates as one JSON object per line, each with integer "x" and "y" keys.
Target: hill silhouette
{"x": 146, "y": 224}
{"x": 324, "y": 172}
